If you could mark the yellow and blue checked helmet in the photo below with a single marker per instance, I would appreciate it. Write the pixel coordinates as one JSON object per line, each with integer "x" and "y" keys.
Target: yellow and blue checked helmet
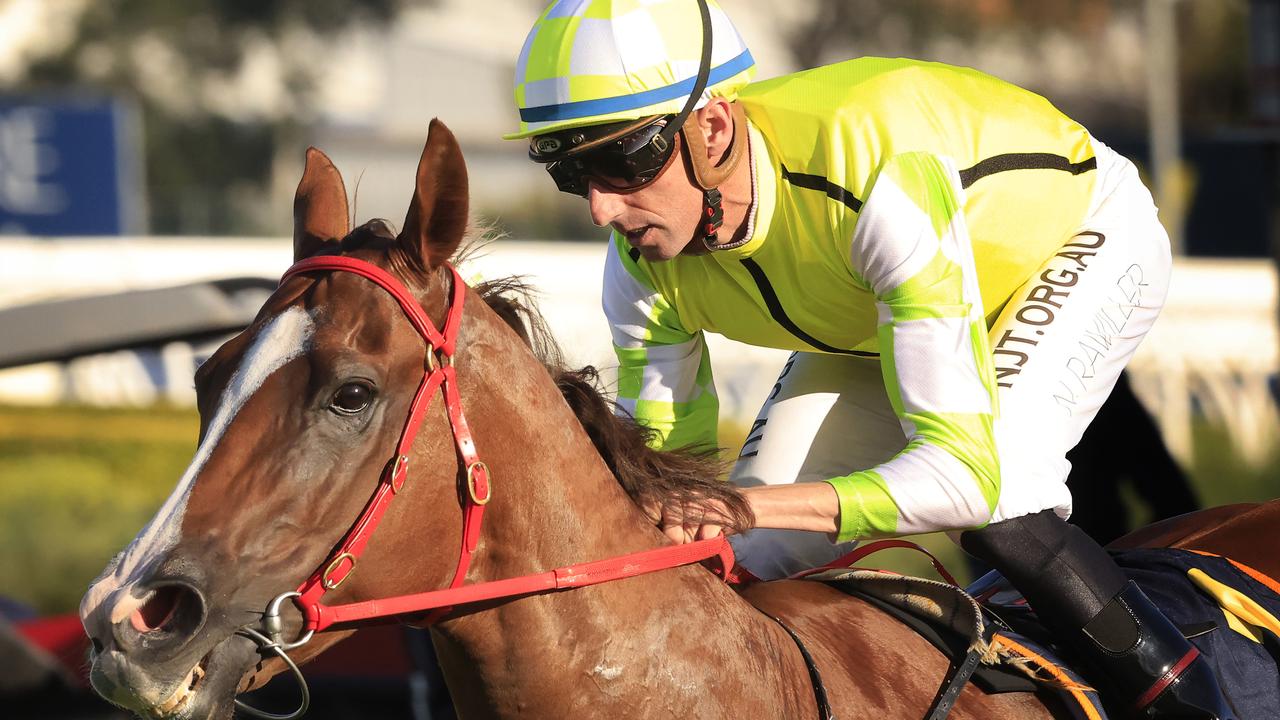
{"x": 588, "y": 62}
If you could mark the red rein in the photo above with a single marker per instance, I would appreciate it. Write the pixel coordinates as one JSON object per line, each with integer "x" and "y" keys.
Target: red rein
{"x": 475, "y": 490}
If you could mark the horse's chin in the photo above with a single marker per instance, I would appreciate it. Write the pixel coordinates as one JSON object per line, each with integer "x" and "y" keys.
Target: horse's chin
{"x": 205, "y": 691}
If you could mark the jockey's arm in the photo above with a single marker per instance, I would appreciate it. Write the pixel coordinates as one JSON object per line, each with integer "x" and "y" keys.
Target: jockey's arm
{"x": 664, "y": 371}
{"x": 911, "y": 247}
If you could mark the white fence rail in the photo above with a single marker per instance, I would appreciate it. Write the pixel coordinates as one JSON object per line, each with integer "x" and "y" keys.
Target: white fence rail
{"x": 1213, "y": 353}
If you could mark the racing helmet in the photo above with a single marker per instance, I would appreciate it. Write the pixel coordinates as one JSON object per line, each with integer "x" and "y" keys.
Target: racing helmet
{"x": 592, "y": 63}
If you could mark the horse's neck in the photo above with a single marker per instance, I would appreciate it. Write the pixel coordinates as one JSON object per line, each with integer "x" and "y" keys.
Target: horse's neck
{"x": 672, "y": 634}
{"x": 555, "y": 502}
{"x": 628, "y": 649}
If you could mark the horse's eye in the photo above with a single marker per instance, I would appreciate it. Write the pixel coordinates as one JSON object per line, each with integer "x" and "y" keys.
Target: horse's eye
{"x": 352, "y": 398}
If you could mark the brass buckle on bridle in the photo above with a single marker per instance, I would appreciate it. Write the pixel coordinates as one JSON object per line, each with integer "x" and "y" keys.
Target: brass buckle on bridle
{"x": 399, "y": 469}
{"x": 471, "y": 483}
{"x": 330, "y": 584}
{"x": 437, "y": 359}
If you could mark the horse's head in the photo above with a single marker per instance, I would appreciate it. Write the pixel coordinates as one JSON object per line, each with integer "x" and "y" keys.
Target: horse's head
{"x": 299, "y": 413}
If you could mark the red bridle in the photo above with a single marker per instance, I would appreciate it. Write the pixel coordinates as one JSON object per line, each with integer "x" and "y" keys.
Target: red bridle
{"x": 475, "y": 492}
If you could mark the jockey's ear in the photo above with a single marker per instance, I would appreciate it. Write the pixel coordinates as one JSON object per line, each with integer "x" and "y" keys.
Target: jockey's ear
{"x": 319, "y": 207}
{"x": 437, "y": 216}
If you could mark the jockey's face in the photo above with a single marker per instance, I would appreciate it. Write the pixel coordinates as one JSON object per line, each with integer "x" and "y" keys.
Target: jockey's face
{"x": 663, "y": 217}
{"x": 658, "y": 219}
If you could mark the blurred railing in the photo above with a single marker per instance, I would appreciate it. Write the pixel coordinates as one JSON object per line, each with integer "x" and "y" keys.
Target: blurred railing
{"x": 1213, "y": 354}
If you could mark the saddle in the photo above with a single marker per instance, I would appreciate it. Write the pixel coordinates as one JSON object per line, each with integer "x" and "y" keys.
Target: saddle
{"x": 1226, "y": 609}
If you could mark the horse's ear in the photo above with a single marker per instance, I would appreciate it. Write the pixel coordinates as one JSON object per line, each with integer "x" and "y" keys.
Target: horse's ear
{"x": 319, "y": 207}
{"x": 437, "y": 216}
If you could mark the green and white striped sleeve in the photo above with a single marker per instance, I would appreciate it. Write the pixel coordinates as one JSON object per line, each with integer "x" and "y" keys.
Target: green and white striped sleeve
{"x": 911, "y": 247}
{"x": 664, "y": 371}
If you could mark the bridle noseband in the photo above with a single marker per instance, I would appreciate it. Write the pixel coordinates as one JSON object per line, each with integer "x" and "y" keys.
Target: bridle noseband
{"x": 475, "y": 492}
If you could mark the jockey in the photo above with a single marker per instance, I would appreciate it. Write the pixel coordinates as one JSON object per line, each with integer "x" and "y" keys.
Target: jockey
{"x": 960, "y": 270}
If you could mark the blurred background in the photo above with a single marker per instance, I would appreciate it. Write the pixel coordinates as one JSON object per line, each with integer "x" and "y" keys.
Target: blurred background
{"x": 149, "y": 152}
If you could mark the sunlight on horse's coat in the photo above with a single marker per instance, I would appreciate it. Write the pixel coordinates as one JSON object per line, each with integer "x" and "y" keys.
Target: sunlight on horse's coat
{"x": 606, "y": 672}
{"x": 283, "y": 339}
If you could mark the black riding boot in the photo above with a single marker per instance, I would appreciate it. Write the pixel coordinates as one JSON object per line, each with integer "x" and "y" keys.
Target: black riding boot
{"x": 1079, "y": 592}
{"x": 1135, "y": 646}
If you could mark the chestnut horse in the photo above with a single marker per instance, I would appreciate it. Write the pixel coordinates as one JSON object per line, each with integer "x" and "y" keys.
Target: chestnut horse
{"x": 299, "y": 415}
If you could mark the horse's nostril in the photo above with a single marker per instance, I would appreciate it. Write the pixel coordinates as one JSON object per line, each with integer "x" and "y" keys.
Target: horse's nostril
{"x": 97, "y": 646}
{"x": 161, "y": 608}
{"x": 171, "y": 614}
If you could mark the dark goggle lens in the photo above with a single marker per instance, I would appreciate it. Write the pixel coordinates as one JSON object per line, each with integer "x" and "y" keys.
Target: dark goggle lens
{"x": 568, "y": 176}
{"x": 628, "y": 163}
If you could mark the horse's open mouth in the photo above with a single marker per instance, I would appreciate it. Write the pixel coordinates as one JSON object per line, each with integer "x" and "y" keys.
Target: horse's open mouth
{"x": 182, "y": 694}
{"x": 208, "y": 689}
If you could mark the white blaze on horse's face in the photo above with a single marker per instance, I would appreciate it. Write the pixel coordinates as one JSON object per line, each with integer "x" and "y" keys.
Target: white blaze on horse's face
{"x": 284, "y": 338}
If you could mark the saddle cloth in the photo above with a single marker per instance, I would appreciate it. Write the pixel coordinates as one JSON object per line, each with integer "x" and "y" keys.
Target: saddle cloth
{"x": 1229, "y": 610}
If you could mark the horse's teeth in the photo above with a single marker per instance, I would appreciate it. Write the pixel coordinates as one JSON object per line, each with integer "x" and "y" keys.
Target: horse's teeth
{"x": 180, "y": 693}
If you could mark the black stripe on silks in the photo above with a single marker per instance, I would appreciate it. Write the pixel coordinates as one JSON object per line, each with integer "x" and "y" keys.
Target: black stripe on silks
{"x": 1024, "y": 161}
{"x": 780, "y": 315}
{"x": 634, "y": 254}
{"x": 821, "y": 184}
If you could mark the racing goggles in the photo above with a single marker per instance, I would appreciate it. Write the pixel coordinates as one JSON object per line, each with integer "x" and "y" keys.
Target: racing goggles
{"x": 621, "y": 157}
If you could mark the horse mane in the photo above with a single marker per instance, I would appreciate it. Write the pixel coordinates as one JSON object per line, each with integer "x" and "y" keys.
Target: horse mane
{"x": 652, "y": 478}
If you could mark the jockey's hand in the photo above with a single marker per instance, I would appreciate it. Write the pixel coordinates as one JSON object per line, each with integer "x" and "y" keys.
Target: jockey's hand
{"x": 689, "y": 521}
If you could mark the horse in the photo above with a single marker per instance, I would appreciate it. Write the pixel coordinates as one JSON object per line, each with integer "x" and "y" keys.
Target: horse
{"x": 300, "y": 416}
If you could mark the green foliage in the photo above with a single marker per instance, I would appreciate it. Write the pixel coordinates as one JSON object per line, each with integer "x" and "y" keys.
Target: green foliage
{"x": 76, "y": 485}
{"x": 1219, "y": 475}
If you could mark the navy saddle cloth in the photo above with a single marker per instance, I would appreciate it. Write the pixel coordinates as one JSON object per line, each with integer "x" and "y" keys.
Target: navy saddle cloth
{"x": 1242, "y": 645}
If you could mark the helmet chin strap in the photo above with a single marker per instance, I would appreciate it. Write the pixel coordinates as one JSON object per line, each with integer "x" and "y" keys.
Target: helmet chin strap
{"x": 710, "y": 176}
{"x": 712, "y": 217}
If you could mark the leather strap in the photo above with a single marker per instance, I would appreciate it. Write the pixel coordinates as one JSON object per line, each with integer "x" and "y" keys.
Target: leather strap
{"x": 848, "y": 559}
{"x": 957, "y": 677}
{"x": 563, "y": 578}
{"x": 815, "y": 677}
{"x": 1166, "y": 679}
{"x": 710, "y": 176}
